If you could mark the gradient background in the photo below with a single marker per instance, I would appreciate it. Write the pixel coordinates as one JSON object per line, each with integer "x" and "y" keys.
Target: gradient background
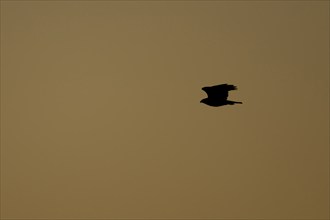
{"x": 101, "y": 115}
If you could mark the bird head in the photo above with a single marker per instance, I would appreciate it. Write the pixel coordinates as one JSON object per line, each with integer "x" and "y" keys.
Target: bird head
{"x": 203, "y": 101}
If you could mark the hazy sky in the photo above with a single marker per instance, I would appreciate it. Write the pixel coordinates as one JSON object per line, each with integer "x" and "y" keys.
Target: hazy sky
{"x": 100, "y": 111}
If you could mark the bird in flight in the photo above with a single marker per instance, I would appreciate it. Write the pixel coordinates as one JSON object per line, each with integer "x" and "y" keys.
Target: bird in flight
{"x": 217, "y": 95}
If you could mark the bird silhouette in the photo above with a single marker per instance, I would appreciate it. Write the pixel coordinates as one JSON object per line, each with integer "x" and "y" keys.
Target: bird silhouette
{"x": 217, "y": 95}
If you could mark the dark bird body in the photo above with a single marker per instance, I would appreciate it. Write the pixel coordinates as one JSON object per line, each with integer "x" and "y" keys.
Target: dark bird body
{"x": 217, "y": 95}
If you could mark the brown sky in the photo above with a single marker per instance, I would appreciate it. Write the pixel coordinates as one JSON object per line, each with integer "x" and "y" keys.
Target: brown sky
{"x": 100, "y": 112}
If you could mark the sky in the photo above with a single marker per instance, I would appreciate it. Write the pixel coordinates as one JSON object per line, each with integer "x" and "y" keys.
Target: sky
{"x": 101, "y": 114}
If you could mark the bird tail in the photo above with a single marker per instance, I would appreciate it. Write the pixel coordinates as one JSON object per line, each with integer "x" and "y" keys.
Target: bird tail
{"x": 233, "y": 102}
{"x": 231, "y": 87}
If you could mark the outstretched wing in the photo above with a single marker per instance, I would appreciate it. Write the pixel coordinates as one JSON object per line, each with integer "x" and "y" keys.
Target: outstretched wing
{"x": 218, "y": 91}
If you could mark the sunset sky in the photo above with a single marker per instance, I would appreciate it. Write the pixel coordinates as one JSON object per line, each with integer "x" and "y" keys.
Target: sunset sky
{"x": 101, "y": 114}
